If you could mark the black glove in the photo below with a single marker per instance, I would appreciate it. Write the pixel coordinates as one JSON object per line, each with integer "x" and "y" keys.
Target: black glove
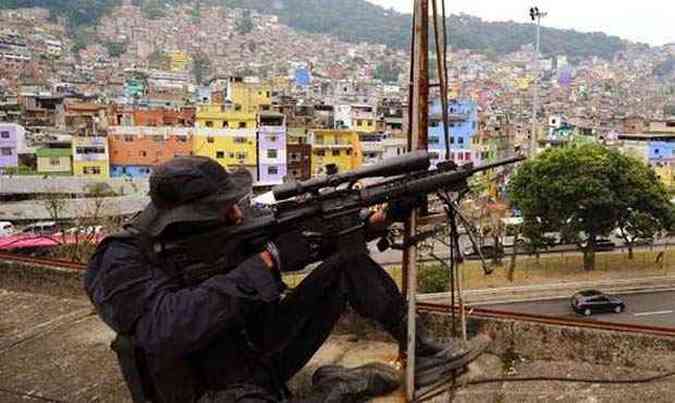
{"x": 399, "y": 210}
{"x": 292, "y": 252}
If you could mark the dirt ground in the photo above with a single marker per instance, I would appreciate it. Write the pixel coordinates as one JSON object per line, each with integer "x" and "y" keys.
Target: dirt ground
{"x": 55, "y": 348}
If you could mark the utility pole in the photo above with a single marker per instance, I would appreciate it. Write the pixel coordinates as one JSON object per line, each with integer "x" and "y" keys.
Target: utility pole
{"x": 535, "y": 15}
{"x": 417, "y": 140}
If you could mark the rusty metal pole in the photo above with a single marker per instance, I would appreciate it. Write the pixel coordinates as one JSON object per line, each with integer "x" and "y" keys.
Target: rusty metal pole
{"x": 419, "y": 122}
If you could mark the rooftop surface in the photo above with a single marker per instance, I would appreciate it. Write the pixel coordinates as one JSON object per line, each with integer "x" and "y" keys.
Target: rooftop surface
{"x": 54, "y": 348}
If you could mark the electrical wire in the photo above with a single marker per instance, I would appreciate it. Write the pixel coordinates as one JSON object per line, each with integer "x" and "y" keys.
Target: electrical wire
{"x": 31, "y": 395}
{"x": 435, "y": 391}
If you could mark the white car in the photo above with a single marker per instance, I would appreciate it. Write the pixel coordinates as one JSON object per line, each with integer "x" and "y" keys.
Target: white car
{"x": 6, "y": 229}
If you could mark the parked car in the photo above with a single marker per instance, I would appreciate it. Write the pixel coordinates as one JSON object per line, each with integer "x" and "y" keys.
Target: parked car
{"x": 488, "y": 252}
{"x": 85, "y": 231}
{"x": 41, "y": 228}
{"x": 588, "y": 302}
{"x": 602, "y": 245}
{"x": 6, "y": 229}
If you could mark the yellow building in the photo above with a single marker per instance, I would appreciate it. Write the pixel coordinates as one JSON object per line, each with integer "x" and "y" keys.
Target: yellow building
{"x": 178, "y": 61}
{"x": 232, "y": 148}
{"x": 339, "y": 147}
{"x": 523, "y": 83}
{"x": 90, "y": 157}
{"x": 55, "y": 161}
{"x": 220, "y": 117}
{"x": 364, "y": 118}
{"x": 365, "y": 125}
{"x": 249, "y": 96}
{"x": 665, "y": 174}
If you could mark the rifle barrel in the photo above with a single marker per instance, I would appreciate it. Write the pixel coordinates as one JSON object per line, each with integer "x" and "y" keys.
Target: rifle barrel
{"x": 399, "y": 165}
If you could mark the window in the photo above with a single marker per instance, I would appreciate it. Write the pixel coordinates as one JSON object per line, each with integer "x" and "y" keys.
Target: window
{"x": 209, "y": 140}
{"x": 54, "y": 161}
{"x": 272, "y": 139}
{"x": 209, "y": 123}
{"x": 359, "y": 122}
{"x": 128, "y": 138}
{"x": 4, "y": 135}
{"x": 240, "y": 140}
{"x": 460, "y": 140}
{"x": 157, "y": 138}
{"x": 370, "y": 123}
{"x": 272, "y": 153}
{"x": 181, "y": 139}
{"x": 336, "y": 153}
{"x": 143, "y": 153}
{"x": 272, "y": 171}
{"x": 467, "y": 156}
{"x": 220, "y": 154}
{"x": 241, "y": 156}
{"x": 320, "y": 153}
{"x": 91, "y": 170}
{"x": 460, "y": 156}
{"x": 656, "y": 151}
{"x": 231, "y": 155}
{"x": 296, "y": 157}
{"x": 452, "y": 140}
{"x": 349, "y": 152}
{"x": 5, "y": 151}
{"x": 242, "y": 125}
{"x": 433, "y": 140}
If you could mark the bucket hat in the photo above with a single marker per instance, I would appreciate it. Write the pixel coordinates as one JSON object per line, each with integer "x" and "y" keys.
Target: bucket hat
{"x": 191, "y": 189}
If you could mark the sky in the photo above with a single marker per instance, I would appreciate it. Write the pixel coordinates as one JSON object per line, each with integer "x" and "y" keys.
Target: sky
{"x": 647, "y": 21}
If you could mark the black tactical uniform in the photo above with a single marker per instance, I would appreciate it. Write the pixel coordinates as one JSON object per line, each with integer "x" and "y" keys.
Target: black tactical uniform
{"x": 232, "y": 337}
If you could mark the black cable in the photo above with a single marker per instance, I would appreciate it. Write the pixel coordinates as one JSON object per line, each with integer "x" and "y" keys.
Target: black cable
{"x": 574, "y": 380}
{"x": 442, "y": 387}
{"x": 32, "y": 396}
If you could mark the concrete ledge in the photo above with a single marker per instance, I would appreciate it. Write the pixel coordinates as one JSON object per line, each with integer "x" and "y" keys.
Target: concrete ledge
{"x": 62, "y": 283}
{"x": 542, "y": 292}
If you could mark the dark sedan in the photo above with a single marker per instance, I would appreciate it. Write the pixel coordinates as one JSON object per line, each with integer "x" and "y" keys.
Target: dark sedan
{"x": 593, "y": 301}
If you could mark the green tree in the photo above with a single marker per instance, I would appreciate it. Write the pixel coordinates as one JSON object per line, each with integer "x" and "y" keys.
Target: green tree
{"x": 244, "y": 24}
{"x": 585, "y": 193}
{"x": 153, "y": 9}
{"x": 387, "y": 72}
{"x": 115, "y": 49}
{"x": 159, "y": 60}
{"x": 201, "y": 65}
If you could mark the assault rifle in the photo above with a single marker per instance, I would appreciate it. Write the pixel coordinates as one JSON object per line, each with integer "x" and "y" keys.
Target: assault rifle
{"x": 326, "y": 209}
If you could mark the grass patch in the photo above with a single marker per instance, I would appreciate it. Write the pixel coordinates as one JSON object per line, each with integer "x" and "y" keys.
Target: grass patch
{"x": 551, "y": 268}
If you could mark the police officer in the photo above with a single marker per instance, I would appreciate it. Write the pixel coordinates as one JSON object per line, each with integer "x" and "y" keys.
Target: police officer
{"x": 237, "y": 336}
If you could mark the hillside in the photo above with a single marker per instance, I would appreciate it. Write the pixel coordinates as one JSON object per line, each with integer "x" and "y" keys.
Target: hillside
{"x": 359, "y": 20}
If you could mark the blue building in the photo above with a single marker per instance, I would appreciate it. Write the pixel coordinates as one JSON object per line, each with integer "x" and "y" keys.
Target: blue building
{"x": 661, "y": 151}
{"x": 130, "y": 171}
{"x": 303, "y": 77}
{"x": 463, "y": 123}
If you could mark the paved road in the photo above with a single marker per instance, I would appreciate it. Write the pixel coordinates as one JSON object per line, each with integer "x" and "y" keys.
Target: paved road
{"x": 650, "y": 309}
{"x": 393, "y": 257}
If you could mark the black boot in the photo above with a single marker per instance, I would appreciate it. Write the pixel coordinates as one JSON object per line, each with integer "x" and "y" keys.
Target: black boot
{"x": 425, "y": 345}
{"x": 338, "y": 384}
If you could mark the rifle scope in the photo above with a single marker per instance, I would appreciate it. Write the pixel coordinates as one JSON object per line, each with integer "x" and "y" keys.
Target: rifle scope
{"x": 403, "y": 164}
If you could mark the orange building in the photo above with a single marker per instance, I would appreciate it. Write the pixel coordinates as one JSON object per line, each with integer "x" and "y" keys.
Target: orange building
{"x": 134, "y": 151}
{"x": 165, "y": 117}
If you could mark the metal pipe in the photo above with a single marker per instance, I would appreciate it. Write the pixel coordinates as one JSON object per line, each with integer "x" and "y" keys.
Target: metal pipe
{"x": 535, "y": 103}
{"x": 417, "y": 140}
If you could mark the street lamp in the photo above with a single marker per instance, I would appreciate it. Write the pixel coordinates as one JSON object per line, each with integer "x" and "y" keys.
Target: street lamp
{"x": 535, "y": 15}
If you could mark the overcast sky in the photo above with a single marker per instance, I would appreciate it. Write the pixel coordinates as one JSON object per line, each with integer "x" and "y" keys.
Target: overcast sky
{"x": 649, "y": 21}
